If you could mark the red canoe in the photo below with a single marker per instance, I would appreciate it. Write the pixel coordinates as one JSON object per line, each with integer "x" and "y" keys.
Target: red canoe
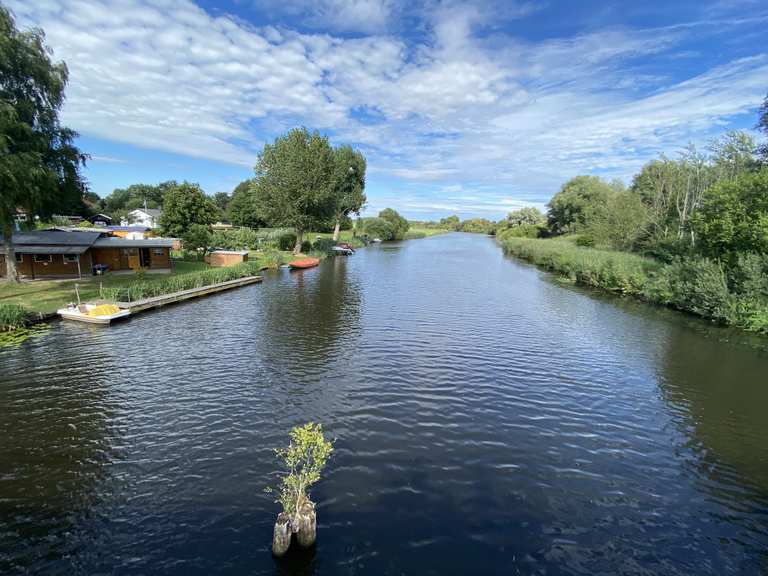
{"x": 304, "y": 263}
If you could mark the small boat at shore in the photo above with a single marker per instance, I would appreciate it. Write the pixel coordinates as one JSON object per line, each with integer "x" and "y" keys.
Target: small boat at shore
{"x": 304, "y": 263}
{"x": 342, "y": 250}
{"x": 93, "y": 313}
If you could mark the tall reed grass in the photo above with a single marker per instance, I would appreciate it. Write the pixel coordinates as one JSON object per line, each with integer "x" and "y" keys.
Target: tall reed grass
{"x": 12, "y": 317}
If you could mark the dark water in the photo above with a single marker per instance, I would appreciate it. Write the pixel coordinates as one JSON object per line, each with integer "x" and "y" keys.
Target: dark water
{"x": 488, "y": 421}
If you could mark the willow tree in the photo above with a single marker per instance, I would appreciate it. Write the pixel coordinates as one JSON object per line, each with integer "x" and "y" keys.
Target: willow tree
{"x": 39, "y": 164}
{"x": 294, "y": 182}
{"x": 348, "y": 185}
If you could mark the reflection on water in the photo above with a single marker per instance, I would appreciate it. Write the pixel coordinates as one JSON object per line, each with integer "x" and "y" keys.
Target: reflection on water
{"x": 488, "y": 420}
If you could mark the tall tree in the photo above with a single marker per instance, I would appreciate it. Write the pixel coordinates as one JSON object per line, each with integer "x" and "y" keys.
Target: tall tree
{"x": 294, "y": 181}
{"x": 184, "y": 205}
{"x": 39, "y": 163}
{"x": 243, "y": 209}
{"x": 762, "y": 125}
{"x": 568, "y": 208}
{"x": 348, "y": 185}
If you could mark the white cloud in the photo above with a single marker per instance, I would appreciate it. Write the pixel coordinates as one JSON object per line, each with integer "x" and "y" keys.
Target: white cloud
{"x": 506, "y": 119}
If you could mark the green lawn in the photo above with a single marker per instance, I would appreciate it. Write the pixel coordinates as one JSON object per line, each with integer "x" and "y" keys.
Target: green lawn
{"x": 49, "y": 295}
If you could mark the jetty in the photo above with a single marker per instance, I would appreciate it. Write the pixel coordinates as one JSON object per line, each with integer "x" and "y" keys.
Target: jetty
{"x": 174, "y": 297}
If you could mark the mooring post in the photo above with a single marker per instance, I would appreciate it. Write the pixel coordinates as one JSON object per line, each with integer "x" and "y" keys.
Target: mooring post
{"x": 281, "y": 539}
{"x": 306, "y": 524}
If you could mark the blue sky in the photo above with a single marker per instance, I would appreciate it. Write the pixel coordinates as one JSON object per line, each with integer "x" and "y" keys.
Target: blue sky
{"x": 474, "y": 108}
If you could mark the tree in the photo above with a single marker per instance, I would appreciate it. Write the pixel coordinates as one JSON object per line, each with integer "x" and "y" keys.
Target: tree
{"x": 567, "y": 209}
{"x": 123, "y": 200}
{"x": 762, "y": 125}
{"x": 243, "y": 208}
{"x": 294, "y": 181}
{"x": 733, "y": 217}
{"x": 186, "y": 204}
{"x": 222, "y": 200}
{"x": 619, "y": 222}
{"x": 197, "y": 238}
{"x": 39, "y": 163}
{"x": 527, "y": 215}
{"x": 451, "y": 222}
{"x": 378, "y": 228}
{"x": 478, "y": 226}
{"x": 399, "y": 224}
{"x": 348, "y": 185}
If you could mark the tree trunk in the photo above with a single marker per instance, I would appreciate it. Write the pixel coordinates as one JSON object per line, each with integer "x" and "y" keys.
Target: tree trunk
{"x": 336, "y": 230}
{"x": 299, "y": 241}
{"x": 305, "y": 524}
{"x": 281, "y": 539}
{"x": 10, "y": 256}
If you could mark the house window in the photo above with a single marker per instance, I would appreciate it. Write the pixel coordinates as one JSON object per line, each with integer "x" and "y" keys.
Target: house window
{"x": 159, "y": 251}
{"x": 19, "y": 257}
{"x": 71, "y": 258}
{"x": 43, "y": 258}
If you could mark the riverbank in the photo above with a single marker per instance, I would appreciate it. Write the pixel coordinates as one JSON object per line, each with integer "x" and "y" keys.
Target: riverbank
{"x": 699, "y": 286}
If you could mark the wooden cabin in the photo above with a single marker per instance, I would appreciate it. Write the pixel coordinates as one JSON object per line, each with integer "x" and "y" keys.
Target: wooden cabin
{"x": 57, "y": 253}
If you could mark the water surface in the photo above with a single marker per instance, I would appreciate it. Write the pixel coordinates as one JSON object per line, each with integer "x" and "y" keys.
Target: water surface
{"x": 487, "y": 420}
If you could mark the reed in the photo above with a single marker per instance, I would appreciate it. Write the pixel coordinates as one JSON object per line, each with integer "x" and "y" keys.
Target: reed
{"x": 13, "y": 317}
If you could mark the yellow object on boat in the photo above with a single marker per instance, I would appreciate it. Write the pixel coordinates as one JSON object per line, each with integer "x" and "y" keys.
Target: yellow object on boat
{"x": 104, "y": 310}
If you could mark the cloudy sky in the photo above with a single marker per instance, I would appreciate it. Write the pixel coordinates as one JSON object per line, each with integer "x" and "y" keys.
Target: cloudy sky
{"x": 474, "y": 108}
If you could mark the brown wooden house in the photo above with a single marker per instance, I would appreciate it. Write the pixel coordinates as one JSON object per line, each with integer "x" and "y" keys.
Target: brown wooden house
{"x": 57, "y": 253}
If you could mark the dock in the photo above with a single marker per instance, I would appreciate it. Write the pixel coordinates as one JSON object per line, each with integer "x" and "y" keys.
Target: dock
{"x": 166, "y": 299}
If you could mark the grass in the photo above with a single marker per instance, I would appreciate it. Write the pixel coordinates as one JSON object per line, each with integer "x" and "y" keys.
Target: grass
{"x": 46, "y": 296}
{"x": 13, "y": 317}
{"x": 618, "y": 272}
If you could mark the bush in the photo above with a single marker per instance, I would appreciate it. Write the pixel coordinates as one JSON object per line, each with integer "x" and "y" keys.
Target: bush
{"x": 378, "y": 228}
{"x": 286, "y": 241}
{"x": 399, "y": 224}
{"x": 323, "y": 244}
{"x": 12, "y": 317}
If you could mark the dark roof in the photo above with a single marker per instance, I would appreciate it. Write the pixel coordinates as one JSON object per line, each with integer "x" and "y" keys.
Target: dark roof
{"x": 123, "y": 243}
{"x": 52, "y": 240}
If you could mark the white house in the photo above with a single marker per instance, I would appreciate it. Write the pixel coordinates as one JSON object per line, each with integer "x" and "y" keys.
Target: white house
{"x": 149, "y": 217}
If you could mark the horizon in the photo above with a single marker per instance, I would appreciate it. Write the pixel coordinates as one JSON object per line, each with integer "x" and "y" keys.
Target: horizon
{"x": 474, "y": 109}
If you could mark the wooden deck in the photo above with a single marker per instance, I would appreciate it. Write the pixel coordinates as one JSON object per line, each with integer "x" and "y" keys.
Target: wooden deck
{"x": 166, "y": 299}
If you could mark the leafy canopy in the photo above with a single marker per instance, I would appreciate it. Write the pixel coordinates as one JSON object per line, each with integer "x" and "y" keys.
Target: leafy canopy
{"x": 398, "y": 223}
{"x": 186, "y": 204}
{"x": 39, "y": 163}
{"x": 294, "y": 180}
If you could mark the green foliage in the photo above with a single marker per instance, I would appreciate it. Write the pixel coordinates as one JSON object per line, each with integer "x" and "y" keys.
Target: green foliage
{"x": 184, "y": 205}
{"x": 618, "y": 222}
{"x": 450, "y": 223}
{"x": 478, "y": 226}
{"x": 294, "y": 179}
{"x": 568, "y": 208}
{"x": 123, "y": 200}
{"x": 348, "y": 186}
{"x": 236, "y": 239}
{"x": 378, "y": 228}
{"x": 13, "y": 317}
{"x": 197, "y": 237}
{"x": 157, "y": 287}
{"x": 323, "y": 244}
{"x": 733, "y": 217}
{"x": 243, "y": 209}
{"x": 39, "y": 162}
{"x": 398, "y": 224}
{"x": 526, "y": 216}
{"x": 303, "y": 461}
{"x": 286, "y": 241}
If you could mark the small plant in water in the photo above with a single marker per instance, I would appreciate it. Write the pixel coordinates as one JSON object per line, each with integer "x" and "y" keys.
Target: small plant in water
{"x": 303, "y": 461}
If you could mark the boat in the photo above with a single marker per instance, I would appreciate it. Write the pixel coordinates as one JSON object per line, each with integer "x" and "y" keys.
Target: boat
{"x": 304, "y": 263}
{"x": 376, "y": 240}
{"x": 346, "y": 245}
{"x": 342, "y": 250}
{"x": 93, "y": 313}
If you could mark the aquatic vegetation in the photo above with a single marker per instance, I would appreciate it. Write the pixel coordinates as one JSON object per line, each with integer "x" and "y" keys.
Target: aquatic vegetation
{"x": 18, "y": 336}
{"x": 13, "y": 317}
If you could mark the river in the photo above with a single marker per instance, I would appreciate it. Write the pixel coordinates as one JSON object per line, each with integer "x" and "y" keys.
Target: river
{"x": 488, "y": 420}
